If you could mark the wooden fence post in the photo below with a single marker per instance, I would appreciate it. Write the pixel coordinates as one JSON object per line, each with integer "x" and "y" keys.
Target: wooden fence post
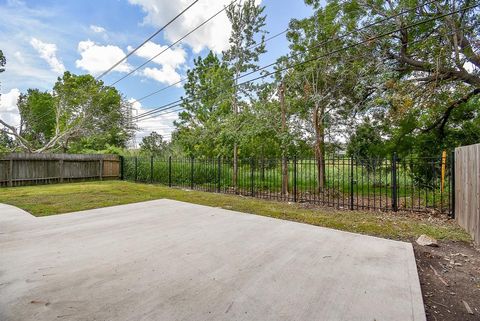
{"x": 122, "y": 164}
{"x": 60, "y": 168}
{"x": 100, "y": 174}
{"x": 10, "y": 173}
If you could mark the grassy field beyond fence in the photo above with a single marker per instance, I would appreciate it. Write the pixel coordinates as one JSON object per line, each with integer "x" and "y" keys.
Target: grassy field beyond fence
{"x": 419, "y": 184}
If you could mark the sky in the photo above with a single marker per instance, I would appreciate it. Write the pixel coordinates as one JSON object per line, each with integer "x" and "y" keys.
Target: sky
{"x": 43, "y": 38}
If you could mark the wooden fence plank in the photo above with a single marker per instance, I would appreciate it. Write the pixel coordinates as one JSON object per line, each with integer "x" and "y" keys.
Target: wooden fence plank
{"x": 467, "y": 189}
{"x": 19, "y": 169}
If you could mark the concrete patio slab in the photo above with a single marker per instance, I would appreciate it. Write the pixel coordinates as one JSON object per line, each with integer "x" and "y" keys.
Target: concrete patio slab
{"x": 168, "y": 260}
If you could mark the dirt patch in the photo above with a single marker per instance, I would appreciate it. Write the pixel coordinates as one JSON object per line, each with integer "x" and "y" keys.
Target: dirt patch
{"x": 449, "y": 275}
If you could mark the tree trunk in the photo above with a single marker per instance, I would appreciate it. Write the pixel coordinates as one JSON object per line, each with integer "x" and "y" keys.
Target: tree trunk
{"x": 319, "y": 146}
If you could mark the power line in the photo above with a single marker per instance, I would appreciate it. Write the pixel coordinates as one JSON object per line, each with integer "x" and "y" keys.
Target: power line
{"x": 371, "y": 39}
{"x": 161, "y": 89}
{"x": 175, "y": 103}
{"x": 159, "y": 109}
{"x": 147, "y": 40}
{"x": 347, "y": 34}
{"x": 185, "y": 78}
{"x": 165, "y": 112}
{"x": 315, "y": 46}
{"x": 176, "y": 42}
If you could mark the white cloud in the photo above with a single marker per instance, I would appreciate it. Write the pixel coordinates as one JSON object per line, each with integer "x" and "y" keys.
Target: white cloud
{"x": 213, "y": 35}
{"x": 165, "y": 74}
{"x": 162, "y": 124}
{"x": 96, "y": 58}
{"x": 172, "y": 57}
{"x": 169, "y": 60}
{"x": 8, "y": 107}
{"x": 19, "y": 56}
{"x": 97, "y": 29}
{"x": 48, "y": 52}
{"x": 20, "y": 23}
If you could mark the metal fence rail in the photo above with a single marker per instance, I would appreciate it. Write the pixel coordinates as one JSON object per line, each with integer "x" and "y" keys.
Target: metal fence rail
{"x": 387, "y": 184}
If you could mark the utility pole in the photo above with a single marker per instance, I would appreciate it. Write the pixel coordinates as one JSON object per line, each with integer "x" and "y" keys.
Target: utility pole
{"x": 281, "y": 92}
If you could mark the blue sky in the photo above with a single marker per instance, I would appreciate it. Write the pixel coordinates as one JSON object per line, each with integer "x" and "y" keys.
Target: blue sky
{"x": 42, "y": 38}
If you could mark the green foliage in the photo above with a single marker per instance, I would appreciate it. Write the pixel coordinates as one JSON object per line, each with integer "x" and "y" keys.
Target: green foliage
{"x": 109, "y": 149}
{"x": 37, "y": 111}
{"x": 80, "y": 114}
{"x": 153, "y": 145}
{"x": 102, "y": 109}
{"x": 6, "y": 143}
{"x": 248, "y": 21}
{"x": 430, "y": 72}
{"x": 366, "y": 142}
{"x": 202, "y": 126}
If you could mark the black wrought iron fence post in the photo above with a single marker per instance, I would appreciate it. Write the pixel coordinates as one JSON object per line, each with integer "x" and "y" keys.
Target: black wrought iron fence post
{"x": 151, "y": 169}
{"x": 351, "y": 183}
{"x": 219, "y": 174}
{"x": 294, "y": 178}
{"x": 401, "y": 184}
{"x": 394, "y": 183}
{"x": 252, "y": 180}
{"x": 191, "y": 173}
{"x": 136, "y": 168}
{"x": 170, "y": 171}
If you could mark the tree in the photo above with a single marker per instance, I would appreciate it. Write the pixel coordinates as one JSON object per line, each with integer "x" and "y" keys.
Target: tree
{"x": 6, "y": 142}
{"x": 366, "y": 143}
{"x": 3, "y": 62}
{"x": 433, "y": 65}
{"x": 84, "y": 111}
{"x": 330, "y": 88}
{"x": 153, "y": 144}
{"x": 202, "y": 126}
{"x": 37, "y": 116}
{"x": 247, "y": 21}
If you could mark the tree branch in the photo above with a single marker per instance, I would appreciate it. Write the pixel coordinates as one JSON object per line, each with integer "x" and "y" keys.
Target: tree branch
{"x": 22, "y": 141}
{"x": 442, "y": 121}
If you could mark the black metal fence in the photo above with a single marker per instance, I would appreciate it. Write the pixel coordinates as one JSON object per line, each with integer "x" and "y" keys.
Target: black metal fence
{"x": 393, "y": 184}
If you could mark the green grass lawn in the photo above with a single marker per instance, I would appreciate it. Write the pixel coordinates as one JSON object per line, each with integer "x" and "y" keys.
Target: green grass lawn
{"x": 62, "y": 198}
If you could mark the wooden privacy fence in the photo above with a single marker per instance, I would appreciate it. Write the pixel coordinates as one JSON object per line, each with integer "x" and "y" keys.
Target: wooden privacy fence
{"x": 20, "y": 169}
{"x": 467, "y": 189}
